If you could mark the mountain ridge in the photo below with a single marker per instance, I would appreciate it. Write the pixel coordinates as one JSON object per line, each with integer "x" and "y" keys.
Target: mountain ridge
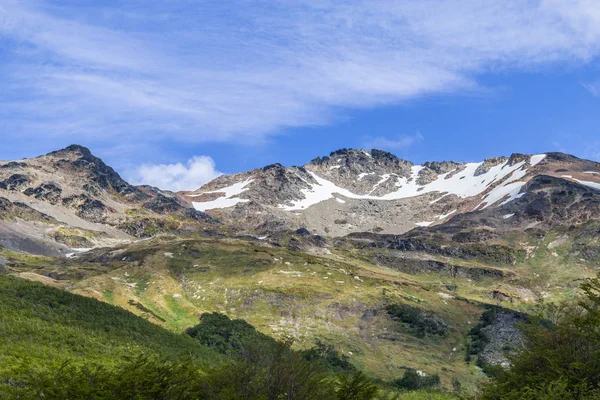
{"x": 70, "y": 198}
{"x": 353, "y": 180}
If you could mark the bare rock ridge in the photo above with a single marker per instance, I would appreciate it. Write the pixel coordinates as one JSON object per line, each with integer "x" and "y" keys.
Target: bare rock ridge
{"x": 66, "y": 195}
{"x": 359, "y": 190}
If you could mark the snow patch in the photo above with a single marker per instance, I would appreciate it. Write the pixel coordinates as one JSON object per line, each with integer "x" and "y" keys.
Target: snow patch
{"x": 384, "y": 178}
{"x": 591, "y": 172}
{"x": 444, "y": 216}
{"x": 340, "y": 200}
{"x": 77, "y": 252}
{"x": 464, "y": 184}
{"x": 593, "y": 185}
{"x": 424, "y": 223}
{"x": 535, "y": 160}
{"x": 438, "y": 199}
{"x": 228, "y": 200}
{"x": 507, "y": 216}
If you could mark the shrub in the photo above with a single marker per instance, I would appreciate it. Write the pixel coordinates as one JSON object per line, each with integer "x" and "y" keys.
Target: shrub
{"x": 416, "y": 380}
{"x": 424, "y": 323}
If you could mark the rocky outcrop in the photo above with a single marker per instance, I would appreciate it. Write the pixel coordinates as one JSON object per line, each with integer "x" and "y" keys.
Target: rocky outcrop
{"x": 15, "y": 182}
{"x": 404, "y": 263}
{"x": 443, "y": 167}
{"x": 496, "y": 337}
{"x": 488, "y": 164}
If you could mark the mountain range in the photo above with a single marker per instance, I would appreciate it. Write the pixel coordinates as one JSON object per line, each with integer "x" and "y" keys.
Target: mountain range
{"x": 393, "y": 263}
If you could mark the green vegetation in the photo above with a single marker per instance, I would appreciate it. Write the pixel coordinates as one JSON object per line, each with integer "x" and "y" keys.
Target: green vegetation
{"x": 340, "y": 306}
{"x": 562, "y": 357}
{"x": 337, "y": 300}
{"x": 237, "y": 338}
{"x": 422, "y": 322}
{"x": 57, "y": 345}
{"x": 414, "y": 380}
{"x": 76, "y": 238}
{"x": 47, "y": 327}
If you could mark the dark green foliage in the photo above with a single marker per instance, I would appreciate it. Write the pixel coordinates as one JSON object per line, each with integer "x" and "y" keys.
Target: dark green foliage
{"x": 49, "y": 326}
{"x": 278, "y": 375}
{"x": 477, "y": 339}
{"x": 239, "y": 338}
{"x": 355, "y": 387}
{"x": 229, "y": 336}
{"x": 330, "y": 356}
{"x": 562, "y": 358}
{"x": 422, "y": 322}
{"x": 413, "y": 380}
{"x": 140, "y": 378}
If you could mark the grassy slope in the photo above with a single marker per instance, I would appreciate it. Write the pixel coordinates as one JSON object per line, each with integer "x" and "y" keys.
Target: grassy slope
{"x": 48, "y": 326}
{"x": 338, "y": 297}
{"x": 287, "y": 293}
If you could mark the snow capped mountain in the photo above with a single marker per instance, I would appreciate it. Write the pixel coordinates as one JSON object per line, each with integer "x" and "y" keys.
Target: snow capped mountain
{"x": 72, "y": 198}
{"x": 359, "y": 190}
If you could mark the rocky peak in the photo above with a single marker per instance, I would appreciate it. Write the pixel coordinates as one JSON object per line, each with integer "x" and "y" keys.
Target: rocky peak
{"x": 79, "y": 160}
{"x": 516, "y": 158}
{"x": 73, "y": 150}
{"x": 562, "y": 157}
{"x": 442, "y": 167}
{"x": 352, "y": 162}
{"x": 488, "y": 163}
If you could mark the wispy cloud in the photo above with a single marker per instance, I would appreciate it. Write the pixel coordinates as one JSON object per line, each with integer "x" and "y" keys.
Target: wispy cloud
{"x": 195, "y": 173}
{"x": 397, "y": 143}
{"x": 593, "y": 88}
{"x": 242, "y": 70}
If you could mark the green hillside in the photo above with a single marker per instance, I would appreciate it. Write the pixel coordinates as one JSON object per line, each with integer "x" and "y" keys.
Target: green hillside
{"x": 46, "y": 326}
{"x": 59, "y": 345}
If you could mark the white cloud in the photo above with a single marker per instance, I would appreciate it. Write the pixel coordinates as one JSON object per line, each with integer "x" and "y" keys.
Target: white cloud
{"x": 593, "y": 88}
{"x": 398, "y": 143}
{"x": 190, "y": 176}
{"x": 241, "y": 71}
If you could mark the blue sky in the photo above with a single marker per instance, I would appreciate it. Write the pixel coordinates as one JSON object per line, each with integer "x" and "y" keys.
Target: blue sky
{"x": 172, "y": 93}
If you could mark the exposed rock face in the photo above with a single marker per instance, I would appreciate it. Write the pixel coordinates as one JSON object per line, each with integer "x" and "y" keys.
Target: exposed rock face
{"x": 14, "y": 182}
{"x": 443, "y": 167}
{"x": 345, "y": 192}
{"x": 503, "y": 337}
{"x": 488, "y": 164}
{"x": 79, "y": 160}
